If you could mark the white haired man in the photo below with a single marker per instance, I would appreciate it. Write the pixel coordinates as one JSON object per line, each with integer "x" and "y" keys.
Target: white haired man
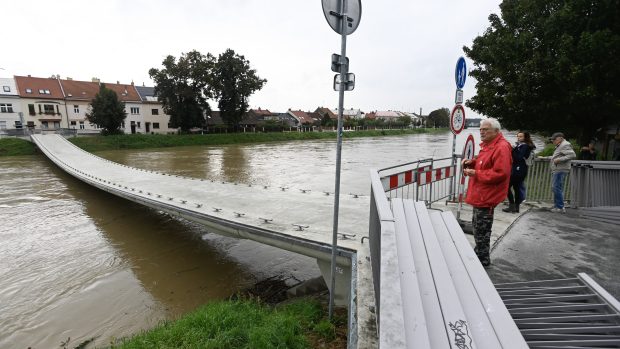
{"x": 489, "y": 174}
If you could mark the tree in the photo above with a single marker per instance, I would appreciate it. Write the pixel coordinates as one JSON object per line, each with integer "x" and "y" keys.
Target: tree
{"x": 439, "y": 118}
{"x": 106, "y": 111}
{"x": 550, "y": 65}
{"x": 234, "y": 82}
{"x": 184, "y": 87}
{"x": 405, "y": 120}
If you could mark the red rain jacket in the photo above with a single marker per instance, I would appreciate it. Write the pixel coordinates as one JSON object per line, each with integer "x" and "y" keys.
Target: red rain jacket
{"x": 489, "y": 186}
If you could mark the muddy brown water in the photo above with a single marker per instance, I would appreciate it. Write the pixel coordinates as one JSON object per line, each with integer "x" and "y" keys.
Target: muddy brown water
{"x": 78, "y": 263}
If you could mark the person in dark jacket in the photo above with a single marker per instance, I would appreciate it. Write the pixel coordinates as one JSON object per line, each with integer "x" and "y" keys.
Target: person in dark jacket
{"x": 522, "y": 150}
{"x": 489, "y": 174}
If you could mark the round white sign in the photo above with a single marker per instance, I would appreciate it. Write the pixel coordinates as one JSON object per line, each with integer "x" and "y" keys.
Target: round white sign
{"x": 457, "y": 119}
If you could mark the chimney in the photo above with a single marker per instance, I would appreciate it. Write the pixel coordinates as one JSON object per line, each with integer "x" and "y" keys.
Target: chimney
{"x": 95, "y": 80}
{"x": 29, "y": 76}
{"x": 131, "y": 82}
{"x": 117, "y": 82}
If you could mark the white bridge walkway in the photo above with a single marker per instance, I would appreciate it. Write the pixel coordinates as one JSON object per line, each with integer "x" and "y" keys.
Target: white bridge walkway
{"x": 294, "y": 220}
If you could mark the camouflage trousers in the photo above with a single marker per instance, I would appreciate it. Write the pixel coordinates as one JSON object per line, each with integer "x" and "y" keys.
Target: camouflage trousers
{"x": 482, "y": 221}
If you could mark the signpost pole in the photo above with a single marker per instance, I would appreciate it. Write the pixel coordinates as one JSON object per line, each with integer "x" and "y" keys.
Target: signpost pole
{"x": 343, "y": 74}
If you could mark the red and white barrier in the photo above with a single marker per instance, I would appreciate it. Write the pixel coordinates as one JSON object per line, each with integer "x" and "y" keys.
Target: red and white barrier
{"x": 436, "y": 175}
{"x": 402, "y": 179}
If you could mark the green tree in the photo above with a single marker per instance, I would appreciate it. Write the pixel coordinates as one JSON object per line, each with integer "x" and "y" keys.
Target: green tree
{"x": 184, "y": 87}
{"x": 405, "y": 120}
{"x": 548, "y": 65}
{"x": 234, "y": 82}
{"x": 439, "y": 118}
{"x": 107, "y": 111}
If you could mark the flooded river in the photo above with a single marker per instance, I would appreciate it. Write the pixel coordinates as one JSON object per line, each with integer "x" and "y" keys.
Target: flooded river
{"x": 79, "y": 263}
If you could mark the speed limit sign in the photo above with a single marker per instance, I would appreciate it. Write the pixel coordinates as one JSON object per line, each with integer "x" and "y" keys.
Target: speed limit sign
{"x": 457, "y": 119}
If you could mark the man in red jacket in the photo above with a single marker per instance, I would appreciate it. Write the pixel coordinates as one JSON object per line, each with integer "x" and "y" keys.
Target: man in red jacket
{"x": 489, "y": 174}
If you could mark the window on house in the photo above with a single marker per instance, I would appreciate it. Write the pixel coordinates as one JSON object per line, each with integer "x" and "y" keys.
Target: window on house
{"x": 169, "y": 125}
{"x": 155, "y": 111}
{"x": 6, "y": 108}
{"x": 2, "y": 125}
{"x": 41, "y": 91}
{"x": 81, "y": 125}
{"x": 47, "y": 92}
{"x": 30, "y": 124}
{"x": 40, "y": 111}
{"x": 18, "y": 124}
{"x": 156, "y": 125}
{"x": 73, "y": 123}
{"x": 28, "y": 90}
{"x": 44, "y": 125}
{"x": 31, "y": 109}
{"x": 56, "y": 124}
{"x": 123, "y": 124}
{"x": 76, "y": 109}
{"x": 57, "y": 111}
{"x": 48, "y": 108}
{"x": 138, "y": 124}
{"x": 6, "y": 88}
{"x": 135, "y": 110}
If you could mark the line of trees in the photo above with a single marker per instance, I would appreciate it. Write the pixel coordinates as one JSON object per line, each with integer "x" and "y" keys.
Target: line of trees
{"x": 185, "y": 86}
{"x": 550, "y": 66}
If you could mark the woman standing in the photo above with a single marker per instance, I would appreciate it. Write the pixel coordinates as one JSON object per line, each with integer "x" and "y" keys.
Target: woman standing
{"x": 520, "y": 152}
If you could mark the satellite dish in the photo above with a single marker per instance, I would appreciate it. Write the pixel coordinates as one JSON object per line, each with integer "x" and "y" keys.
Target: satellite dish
{"x": 333, "y": 14}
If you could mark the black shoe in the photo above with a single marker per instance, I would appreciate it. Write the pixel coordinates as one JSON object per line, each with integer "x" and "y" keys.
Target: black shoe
{"x": 510, "y": 209}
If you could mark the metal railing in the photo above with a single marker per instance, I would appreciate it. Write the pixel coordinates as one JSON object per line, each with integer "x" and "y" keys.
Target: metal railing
{"x": 538, "y": 182}
{"x": 595, "y": 183}
{"x": 427, "y": 180}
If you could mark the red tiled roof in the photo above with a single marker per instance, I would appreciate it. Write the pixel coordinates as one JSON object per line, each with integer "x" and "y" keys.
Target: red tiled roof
{"x": 263, "y": 112}
{"x": 80, "y": 90}
{"x": 126, "y": 93}
{"x": 302, "y": 116}
{"x": 42, "y": 88}
{"x": 323, "y": 111}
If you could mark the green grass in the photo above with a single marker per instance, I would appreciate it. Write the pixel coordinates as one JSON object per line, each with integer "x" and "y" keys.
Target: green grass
{"x": 16, "y": 146}
{"x": 138, "y": 141}
{"x": 240, "y": 324}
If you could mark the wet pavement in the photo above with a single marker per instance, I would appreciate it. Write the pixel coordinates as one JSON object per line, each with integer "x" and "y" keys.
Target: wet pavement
{"x": 543, "y": 245}
{"x": 537, "y": 244}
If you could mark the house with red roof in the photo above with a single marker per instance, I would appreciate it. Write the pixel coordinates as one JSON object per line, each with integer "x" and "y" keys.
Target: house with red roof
{"x": 42, "y": 101}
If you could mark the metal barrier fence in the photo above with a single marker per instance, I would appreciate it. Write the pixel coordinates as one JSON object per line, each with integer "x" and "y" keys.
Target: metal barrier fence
{"x": 538, "y": 182}
{"x": 428, "y": 180}
{"x": 595, "y": 183}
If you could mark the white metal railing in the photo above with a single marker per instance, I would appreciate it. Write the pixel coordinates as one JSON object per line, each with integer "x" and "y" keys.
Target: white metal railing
{"x": 595, "y": 183}
{"x": 427, "y": 180}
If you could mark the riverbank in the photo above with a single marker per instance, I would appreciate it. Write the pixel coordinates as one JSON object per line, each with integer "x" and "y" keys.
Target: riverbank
{"x": 248, "y": 323}
{"x": 15, "y": 146}
{"x": 139, "y": 141}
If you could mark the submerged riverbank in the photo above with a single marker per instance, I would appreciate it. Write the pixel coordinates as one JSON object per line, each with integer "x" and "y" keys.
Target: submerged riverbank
{"x": 14, "y": 146}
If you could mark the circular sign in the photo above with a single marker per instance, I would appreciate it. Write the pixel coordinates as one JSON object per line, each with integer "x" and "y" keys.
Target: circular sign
{"x": 333, "y": 14}
{"x": 457, "y": 119}
{"x": 460, "y": 73}
{"x": 469, "y": 148}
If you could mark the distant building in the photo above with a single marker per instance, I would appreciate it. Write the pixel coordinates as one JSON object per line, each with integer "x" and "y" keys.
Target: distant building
{"x": 11, "y": 116}
{"x": 472, "y": 123}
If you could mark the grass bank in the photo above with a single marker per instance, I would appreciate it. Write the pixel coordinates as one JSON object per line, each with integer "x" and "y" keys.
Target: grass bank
{"x": 138, "y": 141}
{"x": 247, "y": 323}
{"x": 16, "y": 146}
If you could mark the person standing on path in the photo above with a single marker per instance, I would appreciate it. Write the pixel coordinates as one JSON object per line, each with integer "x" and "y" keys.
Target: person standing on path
{"x": 560, "y": 166}
{"x": 522, "y": 150}
{"x": 489, "y": 174}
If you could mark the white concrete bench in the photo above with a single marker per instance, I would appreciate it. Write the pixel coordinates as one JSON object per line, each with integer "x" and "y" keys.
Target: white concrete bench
{"x": 447, "y": 299}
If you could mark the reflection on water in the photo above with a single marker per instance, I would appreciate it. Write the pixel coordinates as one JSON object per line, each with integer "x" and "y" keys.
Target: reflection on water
{"x": 78, "y": 262}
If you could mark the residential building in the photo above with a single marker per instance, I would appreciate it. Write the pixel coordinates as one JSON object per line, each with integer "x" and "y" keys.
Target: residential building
{"x": 350, "y": 113}
{"x": 78, "y": 96}
{"x": 11, "y": 116}
{"x": 155, "y": 119}
{"x": 302, "y": 118}
{"x": 322, "y": 111}
{"x": 42, "y": 101}
{"x": 387, "y": 115}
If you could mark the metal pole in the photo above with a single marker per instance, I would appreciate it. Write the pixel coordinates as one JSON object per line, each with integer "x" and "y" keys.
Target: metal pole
{"x": 343, "y": 81}
{"x": 453, "y": 181}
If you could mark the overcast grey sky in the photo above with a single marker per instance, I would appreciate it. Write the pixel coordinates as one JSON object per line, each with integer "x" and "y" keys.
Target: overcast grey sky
{"x": 403, "y": 53}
